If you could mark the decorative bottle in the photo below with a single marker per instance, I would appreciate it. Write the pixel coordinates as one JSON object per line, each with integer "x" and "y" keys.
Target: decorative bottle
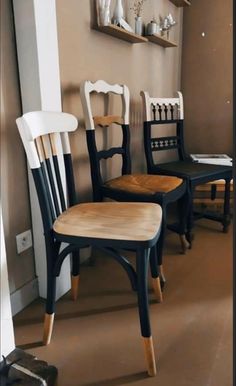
{"x": 138, "y": 25}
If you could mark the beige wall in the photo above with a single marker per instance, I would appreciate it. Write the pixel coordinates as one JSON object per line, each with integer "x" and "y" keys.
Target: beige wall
{"x": 89, "y": 54}
{"x": 14, "y": 187}
{"x": 207, "y": 76}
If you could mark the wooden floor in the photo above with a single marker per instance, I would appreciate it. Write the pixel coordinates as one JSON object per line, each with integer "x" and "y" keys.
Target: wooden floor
{"x": 96, "y": 340}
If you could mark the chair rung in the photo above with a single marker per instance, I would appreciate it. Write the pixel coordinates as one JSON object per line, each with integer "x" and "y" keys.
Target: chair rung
{"x": 208, "y": 215}
{"x": 104, "y": 154}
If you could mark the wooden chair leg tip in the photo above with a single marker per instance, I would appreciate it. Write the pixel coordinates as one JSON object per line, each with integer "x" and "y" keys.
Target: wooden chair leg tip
{"x": 150, "y": 356}
{"x": 46, "y": 341}
{"x": 162, "y": 277}
{"x": 74, "y": 287}
{"x": 156, "y": 284}
{"x": 48, "y": 327}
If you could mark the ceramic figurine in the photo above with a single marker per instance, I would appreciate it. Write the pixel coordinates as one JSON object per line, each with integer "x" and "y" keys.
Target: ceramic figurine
{"x": 118, "y": 12}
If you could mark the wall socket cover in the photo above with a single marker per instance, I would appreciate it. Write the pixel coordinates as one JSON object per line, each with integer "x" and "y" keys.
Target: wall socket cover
{"x": 23, "y": 241}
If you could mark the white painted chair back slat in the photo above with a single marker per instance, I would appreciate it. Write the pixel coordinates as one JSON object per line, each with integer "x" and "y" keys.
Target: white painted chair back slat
{"x": 52, "y": 146}
{"x": 37, "y": 124}
{"x": 46, "y": 142}
{"x": 100, "y": 86}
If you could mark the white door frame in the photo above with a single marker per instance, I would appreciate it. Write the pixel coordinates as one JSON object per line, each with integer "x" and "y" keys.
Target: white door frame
{"x": 7, "y": 340}
{"x": 38, "y": 61}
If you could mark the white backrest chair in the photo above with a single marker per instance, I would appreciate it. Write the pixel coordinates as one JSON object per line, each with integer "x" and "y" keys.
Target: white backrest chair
{"x": 166, "y": 111}
{"x": 110, "y": 226}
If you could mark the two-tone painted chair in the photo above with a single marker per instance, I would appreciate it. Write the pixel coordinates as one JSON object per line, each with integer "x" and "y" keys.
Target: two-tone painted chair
{"x": 159, "y": 114}
{"x": 110, "y": 226}
{"x": 127, "y": 186}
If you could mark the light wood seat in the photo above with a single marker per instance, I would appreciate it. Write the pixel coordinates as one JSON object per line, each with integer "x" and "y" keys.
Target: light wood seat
{"x": 144, "y": 183}
{"x": 109, "y": 226}
{"x": 110, "y": 220}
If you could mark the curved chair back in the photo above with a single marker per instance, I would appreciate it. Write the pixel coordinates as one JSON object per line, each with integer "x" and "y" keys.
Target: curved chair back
{"x": 46, "y": 142}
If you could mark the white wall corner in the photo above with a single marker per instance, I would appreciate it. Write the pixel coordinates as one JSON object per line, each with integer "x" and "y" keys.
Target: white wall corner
{"x": 23, "y": 296}
{"x": 38, "y": 61}
{"x": 7, "y": 340}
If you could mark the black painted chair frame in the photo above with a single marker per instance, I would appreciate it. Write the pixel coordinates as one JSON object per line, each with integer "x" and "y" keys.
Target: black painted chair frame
{"x": 203, "y": 173}
{"x": 101, "y": 191}
{"x": 52, "y": 201}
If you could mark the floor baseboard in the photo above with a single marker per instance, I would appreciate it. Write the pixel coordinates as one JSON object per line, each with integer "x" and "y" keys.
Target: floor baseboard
{"x": 23, "y": 296}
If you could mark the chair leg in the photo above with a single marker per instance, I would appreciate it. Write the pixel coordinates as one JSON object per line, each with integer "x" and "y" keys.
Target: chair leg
{"x": 150, "y": 356}
{"x": 183, "y": 212}
{"x": 50, "y": 309}
{"x": 48, "y": 327}
{"x": 52, "y": 254}
{"x": 226, "y": 216}
{"x": 74, "y": 286}
{"x": 162, "y": 276}
{"x": 156, "y": 284}
{"x": 142, "y": 271}
{"x": 190, "y": 220}
{"x": 160, "y": 245}
{"x": 185, "y": 244}
{"x": 75, "y": 274}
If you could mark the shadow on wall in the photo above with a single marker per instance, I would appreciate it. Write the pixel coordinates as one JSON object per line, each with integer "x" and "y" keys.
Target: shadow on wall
{"x": 70, "y": 99}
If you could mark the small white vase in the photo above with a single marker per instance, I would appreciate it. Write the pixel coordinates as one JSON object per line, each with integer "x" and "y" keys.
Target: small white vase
{"x": 138, "y": 25}
{"x": 106, "y": 16}
{"x": 103, "y": 9}
{"x": 118, "y": 12}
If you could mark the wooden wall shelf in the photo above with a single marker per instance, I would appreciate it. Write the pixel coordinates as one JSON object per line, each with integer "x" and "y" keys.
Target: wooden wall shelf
{"x": 157, "y": 39}
{"x": 121, "y": 33}
{"x": 131, "y": 37}
{"x": 181, "y": 3}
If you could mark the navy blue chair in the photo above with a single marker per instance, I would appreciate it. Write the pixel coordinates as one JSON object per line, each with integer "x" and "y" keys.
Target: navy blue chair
{"x": 127, "y": 186}
{"x": 161, "y": 113}
{"x": 107, "y": 226}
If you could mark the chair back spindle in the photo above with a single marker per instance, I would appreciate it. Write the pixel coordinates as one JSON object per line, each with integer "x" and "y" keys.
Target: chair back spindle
{"x": 161, "y": 111}
{"x": 46, "y": 142}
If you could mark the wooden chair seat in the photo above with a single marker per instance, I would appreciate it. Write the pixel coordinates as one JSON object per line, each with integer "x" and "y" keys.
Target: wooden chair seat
{"x": 194, "y": 171}
{"x": 110, "y": 221}
{"x": 144, "y": 183}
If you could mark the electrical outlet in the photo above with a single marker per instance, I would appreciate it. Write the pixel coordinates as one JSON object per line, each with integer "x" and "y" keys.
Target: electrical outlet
{"x": 23, "y": 241}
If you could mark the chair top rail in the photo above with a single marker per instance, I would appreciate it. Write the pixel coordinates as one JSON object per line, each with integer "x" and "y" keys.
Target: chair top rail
{"x": 164, "y": 101}
{"x": 37, "y": 123}
{"x": 149, "y": 101}
{"x": 40, "y": 123}
{"x": 101, "y": 86}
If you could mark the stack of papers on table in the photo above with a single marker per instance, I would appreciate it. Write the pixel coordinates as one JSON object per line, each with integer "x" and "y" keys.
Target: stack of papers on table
{"x": 216, "y": 159}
